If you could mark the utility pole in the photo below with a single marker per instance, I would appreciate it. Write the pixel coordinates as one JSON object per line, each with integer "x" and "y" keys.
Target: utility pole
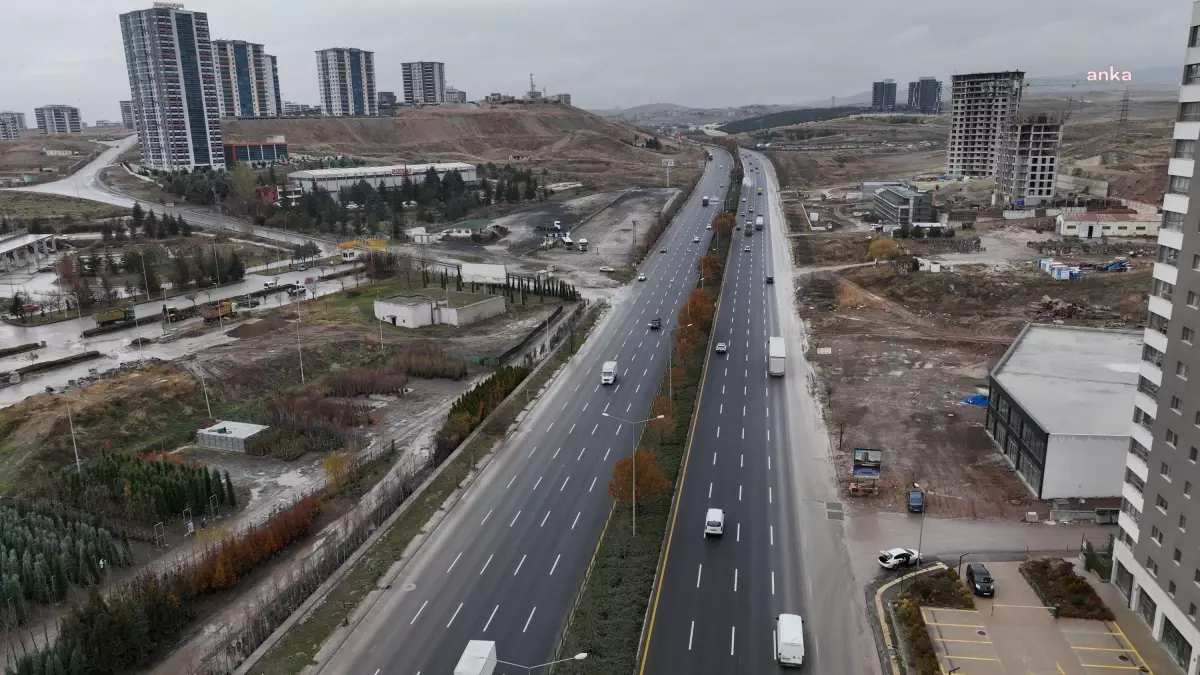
{"x": 71, "y": 423}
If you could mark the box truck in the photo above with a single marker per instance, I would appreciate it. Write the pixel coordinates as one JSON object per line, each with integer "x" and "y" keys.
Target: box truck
{"x": 583, "y": 244}
{"x": 608, "y": 372}
{"x": 775, "y": 357}
{"x": 704, "y": 200}
{"x": 789, "y": 640}
{"x": 758, "y": 222}
{"x": 479, "y": 658}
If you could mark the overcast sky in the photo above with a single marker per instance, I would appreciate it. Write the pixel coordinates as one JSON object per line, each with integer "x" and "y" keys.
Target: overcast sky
{"x": 610, "y": 53}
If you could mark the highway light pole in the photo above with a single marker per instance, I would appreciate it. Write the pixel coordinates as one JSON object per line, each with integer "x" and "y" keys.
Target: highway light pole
{"x": 529, "y": 669}
{"x": 671, "y": 362}
{"x": 633, "y": 458}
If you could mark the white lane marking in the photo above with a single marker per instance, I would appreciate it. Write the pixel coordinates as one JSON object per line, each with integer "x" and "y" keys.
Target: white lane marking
{"x": 552, "y": 423}
{"x": 519, "y": 565}
{"x": 576, "y": 519}
{"x": 585, "y": 405}
{"x": 606, "y": 454}
{"x": 769, "y": 500}
{"x": 544, "y": 518}
{"x": 636, "y": 390}
{"x": 606, "y": 407}
{"x": 595, "y": 428}
{"x": 768, "y": 412}
{"x": 539, "y": 482}
{"x": 492, "y": 616}
{"x": 735, "y": 580}
{"x": 771, "y": 531}
{"x": 718, "y": 432}
{"x": 555, "y": 565}
{"x": 772, "y": 582}
{"x": 768, "y": 434}
{"x": 691, "y": 632}
{"x": 489, "y": 515}
{"x": 529, "y": 619}
{"x": 739, "y": 532}
{"x": 739, "y": 493}
{"x": 564, "y": 406}
{"x": 721, "y": 409}
{"x": 714, "y": 458}
{"x": 620, "y": 425}
{"x": 414, "y": 619}
{"x": 631, "y": 404}
{"x": 743, "y": 433}
{"x": 533, "y": 451}
{"x": 564, "y": 485}
{"x": 514, "y": 520}
{"x": 768, "y": 462}
{"x": 510, "y": 482}
{"x": 571, "y": 430}
{"x": 592, "y": 485}
{"x": 486, "y": 563}
{"x": 743, "y": 411}
{"x": 732, "y": 638}
{"x": 556, "y": 453}
{"x": 742, "y": 463}
{"x": 455, "y": 616}
{"x": 454, "y": 563}
{"x": 580, "y": 455}
{"x": 699, "y": 571}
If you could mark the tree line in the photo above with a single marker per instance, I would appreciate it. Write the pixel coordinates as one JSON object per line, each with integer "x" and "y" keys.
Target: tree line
{"x": 470, "y": 409}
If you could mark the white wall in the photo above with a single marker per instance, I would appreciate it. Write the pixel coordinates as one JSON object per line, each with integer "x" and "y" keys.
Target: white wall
{"x": 462, "y": 316}
{"x": 408, "y": 314}
{"x": 1084, "y": 466}
{"x": 1144, "y": 583}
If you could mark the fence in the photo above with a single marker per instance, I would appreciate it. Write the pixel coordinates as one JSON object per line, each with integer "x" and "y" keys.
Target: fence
{"x": 1097, "y": 556}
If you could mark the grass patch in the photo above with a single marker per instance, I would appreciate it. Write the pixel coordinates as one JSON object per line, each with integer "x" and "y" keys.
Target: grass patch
{"x": 296, "y": 649}
{"x": 1100, "y": 562}
{"x": 9, "y": 351}
{"x": 356, "y": 306}
{"x": 1056, "y": 583}
{"x": 623, "y": 275}
{"x": 942, "y": 588}
{"x": 29, "y": 205}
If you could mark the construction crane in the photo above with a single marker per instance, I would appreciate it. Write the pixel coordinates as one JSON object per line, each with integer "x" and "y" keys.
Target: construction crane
{"x": 1060, "y": 84}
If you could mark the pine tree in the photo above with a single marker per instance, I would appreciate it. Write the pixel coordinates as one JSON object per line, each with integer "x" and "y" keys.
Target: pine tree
{"x": 229, "y": 491}
{"x": 185, "y": 228}
{"x": 76, "y": 666}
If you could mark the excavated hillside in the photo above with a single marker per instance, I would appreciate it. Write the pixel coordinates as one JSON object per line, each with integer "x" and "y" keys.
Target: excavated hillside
{"x": 571, "y": 144}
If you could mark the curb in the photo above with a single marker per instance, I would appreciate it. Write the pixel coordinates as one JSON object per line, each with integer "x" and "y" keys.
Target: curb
{"x": 892, "y": 652}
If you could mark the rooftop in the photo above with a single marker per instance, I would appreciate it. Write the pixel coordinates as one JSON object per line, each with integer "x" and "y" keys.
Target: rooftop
{"x": 363, "y": 171}
{"x": 14, "y": 243}
{"x": 242, "y": 430}
{"x": 1106, "y": 217}
{"x": 902, "y": 191}
{"x": 1073, "y": 380}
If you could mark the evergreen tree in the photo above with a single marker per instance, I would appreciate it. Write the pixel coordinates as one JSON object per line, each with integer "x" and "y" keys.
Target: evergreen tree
{"x": 151, "y": 224}
{"x": 229, "y": 490}
{"x": 185, "y": 228}
{"x": 136, "y": 216}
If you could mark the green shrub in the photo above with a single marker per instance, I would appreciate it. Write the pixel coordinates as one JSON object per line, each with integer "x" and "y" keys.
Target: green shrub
{"x": 1056, "y": 583}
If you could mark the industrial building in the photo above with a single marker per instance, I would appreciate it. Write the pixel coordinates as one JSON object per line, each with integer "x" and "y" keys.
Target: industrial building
{"x": 1056, "y": 408}
{"x": 58, "y": 119}
{"x": 983, "y": 107}
{"x": 883, "y": 96}
{"x": 1027, "y": 162}
{"x": 1157, "y": 553}
{"x": 903, "y": 206}
{"x": 228, "y": 436}
{"x": 246, "y": 79}
{"x": 291, "y": 109}
{"x": 1096, "y": 225}
{"x": 127, "y": 114}
{"x": 346, "y": 80}
{"x": 416, "y": 310}
{"x": 274, "y": 150}
{"x": 333, "y": 180}
{"x": 173, "y": 87}
{"x": 925, "y": 96}
{"x": 424, "y": 82}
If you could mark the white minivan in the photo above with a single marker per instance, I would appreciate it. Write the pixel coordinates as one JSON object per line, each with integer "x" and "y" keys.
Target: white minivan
{"x": 714, "y": 523}
{"x": 789, "y": 640}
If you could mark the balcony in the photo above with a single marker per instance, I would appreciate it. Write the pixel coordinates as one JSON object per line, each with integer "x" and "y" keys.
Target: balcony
{"x": 1127, "y": 523}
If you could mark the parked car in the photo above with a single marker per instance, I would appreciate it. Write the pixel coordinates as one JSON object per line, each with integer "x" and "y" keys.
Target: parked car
{"x": 46, "y": 268}
{"x": 606, "y": 268}
{"x": 898, "y": 557}
{"x": 979, "y": 580}
{"x": 916, "y": 500}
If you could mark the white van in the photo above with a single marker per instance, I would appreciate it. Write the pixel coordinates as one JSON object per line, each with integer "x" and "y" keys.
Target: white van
{"x": 608, "y": 372}
{"x": 789, "y": 639}
{"x": 714, "y": 523}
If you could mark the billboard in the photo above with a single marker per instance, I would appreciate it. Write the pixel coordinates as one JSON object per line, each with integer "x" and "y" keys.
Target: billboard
{"x": 867, "y": 464}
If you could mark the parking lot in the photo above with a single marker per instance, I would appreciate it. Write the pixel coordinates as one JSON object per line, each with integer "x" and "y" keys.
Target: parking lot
{"x": 1015, "y": 634}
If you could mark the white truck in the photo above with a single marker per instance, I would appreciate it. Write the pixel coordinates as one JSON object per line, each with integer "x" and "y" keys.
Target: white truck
{"x": 568, "y": 242}
{"x": 814, "y": 217}
{"x": 704, "y": 200}
{"x": 608, "y": 372}
{"x": 775, "y": 357}
{"x": 789, "y": 640}
{"x": 583, "y": 244}
{"x": 758, "y": 222}
{"x": 479, "y": 658}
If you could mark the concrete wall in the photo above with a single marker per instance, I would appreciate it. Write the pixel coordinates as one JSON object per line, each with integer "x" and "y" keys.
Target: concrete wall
{"x": 408, "y": 314}
{"x": 1149, "y": 228}
{"x": 1084, "y": 466}
{"x": 462, "y": 316}
{"x": 1098, "y": 188}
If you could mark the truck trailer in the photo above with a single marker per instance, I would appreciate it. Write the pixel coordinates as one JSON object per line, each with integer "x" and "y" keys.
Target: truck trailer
{"x": 758, "y": 222}
{"x": 608, "y": 372}
{"x": 704, "y": 200}
{"x": 775, "y": 357}
{"x": 479, "y": 658}
{"x": 116, "y": 315}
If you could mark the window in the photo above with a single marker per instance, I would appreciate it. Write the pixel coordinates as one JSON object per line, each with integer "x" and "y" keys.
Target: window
{"x": 1161, "y": 503}
{"x": 1156, "y": 534}
{"x": 1179, "y": 185}
{"x": 1171, "y": 437}
{"x": 1185, "y": 149}
{"x": 1192, "y": 611}
{"x": 1157, "y": 322}
{"x": 1183, "y": 523}
{"x": 1172, "y": 221}
{"x": 1187, "y": 335}
{"x": 1150, "y": 389}
{"x": 1143, "y": 418}
{"x": 1191, "y": 73}
{"x": 1175, "y": 403}
{"x": 1194, "y": 37}
{"x": 1162, "y": 289}
{"x": 1130, "y": 510}
{"x": 1177, "y": 557}
{"x": 1151, "y": 566}
{"x": 1181, "y": 370}
{"x": 1171, "y": 588}
{"x": 1189, "y": 112}
{"x": 1187, "y": 488}
{"x": 1193, "y": 452}
{"x": 1138, "y": 449}
{"x": 1152, "y": 355}
{"x": 1134, "y": 481}
{"x": 1168, "y": 255}
{"x": 1164, "y": 470}
{"x": 1193, "y": 300}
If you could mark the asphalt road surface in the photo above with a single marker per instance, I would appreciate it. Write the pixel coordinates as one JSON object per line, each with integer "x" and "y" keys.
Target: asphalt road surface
{"x": 507, "y": 562}
{"x": 760, "y": 453}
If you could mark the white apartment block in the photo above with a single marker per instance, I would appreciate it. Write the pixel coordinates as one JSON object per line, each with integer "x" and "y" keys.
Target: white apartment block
{"x": 58, "y": 119}
{"x": 1027, "y": 164}
{"x": 983, "y": 106}
{"x": 346, "y": 81}
{"x": 1157, "y": 552}
{"x": 173, "y": 87}
{"x": 11, "y": 125}
{"x": 246, "y": 79}
{"x": 424, "y": 82}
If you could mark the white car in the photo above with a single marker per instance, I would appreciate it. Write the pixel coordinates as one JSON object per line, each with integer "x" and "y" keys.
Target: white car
{"x": 708, "y": 227}
{"x": 743, "y": 199}
{"x": 898, "y": 557}
{"x": 606, "y": 268}
{"x": 746, "y": 249}
{"x": 641, "y": 277}
{"x": 721, "y": 348}
{"x": 695, "y": 240}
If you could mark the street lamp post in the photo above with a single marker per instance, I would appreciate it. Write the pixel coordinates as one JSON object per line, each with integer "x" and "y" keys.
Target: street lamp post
{"x": 671, "y": 363}
{"x": 633, "y": 458}
{"x": 529, "y": 669}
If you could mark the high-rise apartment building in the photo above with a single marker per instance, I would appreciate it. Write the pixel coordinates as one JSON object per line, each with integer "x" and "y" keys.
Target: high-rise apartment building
{"x": 454, "y": 95}
{"x": 9, "y": 131}
{"x": 58, "y": 119}
{"x": 127, "y": 120}
{"x": 1157, "y": 552}
{"x": 424, "y": 82}
{"x": 17, "y": 118}
{"x": 925, "y": 96}
{"x": 346, "y": 80}
{"x": 983, "y": 107}
{"x": 173, "y": 87}
{"x": 246, "y": 79}
{"x": 883, "y": 96}
{"x": 273, "y": 91}
{"x": 1027, "y": 163}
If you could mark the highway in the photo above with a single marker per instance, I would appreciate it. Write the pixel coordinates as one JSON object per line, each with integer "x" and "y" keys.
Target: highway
{"x": 760, "y": 452}
{"x": 506, "y": 563}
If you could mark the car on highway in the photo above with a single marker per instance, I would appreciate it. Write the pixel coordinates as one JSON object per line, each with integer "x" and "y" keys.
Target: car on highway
{"x": 642, "y": 277}
{"x": 662, "y": 250}
{"x": 606, "y": 268}
{"x": 770, "y": 279}
{"x": 898, "y": 557}
{"x": 746, "y": 249}
{"x": 722, "y": 348}
{"x": 655, "y": 323}
{"x": 743, "y": 199}
{"x": 714, "y": 523}
{"x": 46, "y": 268}
{"x": 751, "y": 209}
{"x": 708, "y": 227}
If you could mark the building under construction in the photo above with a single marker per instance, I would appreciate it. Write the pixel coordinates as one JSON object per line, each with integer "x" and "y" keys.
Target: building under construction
{"x": 1027, "y": 160}
{"x": 983, "y": 106}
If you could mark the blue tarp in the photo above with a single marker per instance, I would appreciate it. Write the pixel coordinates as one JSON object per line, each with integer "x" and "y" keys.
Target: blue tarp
{"x": 977, "y": 399}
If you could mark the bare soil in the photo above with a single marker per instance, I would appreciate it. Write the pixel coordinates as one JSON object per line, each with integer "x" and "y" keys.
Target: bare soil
{"x": 24, "y": 156}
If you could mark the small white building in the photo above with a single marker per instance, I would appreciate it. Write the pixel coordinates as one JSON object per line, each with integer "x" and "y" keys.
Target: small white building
{"x": 20, "y": 249}
{"x": 934, "y": 265}
{"x": 1058, "y": 408}
{"x": 1096, "y": 225}
{"x": 228, "y": 436}
{"x": 419, "y": 235}
{"x": 414, "y": 311}
{"x": 467, "y": 229}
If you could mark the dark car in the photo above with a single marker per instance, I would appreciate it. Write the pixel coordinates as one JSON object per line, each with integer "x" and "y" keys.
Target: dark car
{"x": 770, "y": 279}
{"x": 916, "y": 500}
{"x": 980, "y": 580}
{"x": 655, "y": 323}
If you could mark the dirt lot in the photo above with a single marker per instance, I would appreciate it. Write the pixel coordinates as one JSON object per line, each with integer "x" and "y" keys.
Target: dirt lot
{"x": 24, "y": 156}
{"x": 571, "y": 144}
{"x": 907, "y": 347}
{"x": 29, "y": 205}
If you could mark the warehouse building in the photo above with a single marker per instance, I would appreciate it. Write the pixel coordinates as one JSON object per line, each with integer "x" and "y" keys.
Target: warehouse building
{"x": 391, "y": 176}
{"x": 1058, "y": 403}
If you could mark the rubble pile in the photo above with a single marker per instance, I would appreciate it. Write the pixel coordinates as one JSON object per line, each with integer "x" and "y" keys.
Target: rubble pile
{"x": 1050, "y": 309}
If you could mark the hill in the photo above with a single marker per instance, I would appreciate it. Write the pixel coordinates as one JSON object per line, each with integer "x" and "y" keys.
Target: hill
{"x": 569, "y": 143}
{"x": 788, "y": 117}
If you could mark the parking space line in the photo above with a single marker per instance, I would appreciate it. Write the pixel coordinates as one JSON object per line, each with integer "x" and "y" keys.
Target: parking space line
{"x": 953, "y": 625}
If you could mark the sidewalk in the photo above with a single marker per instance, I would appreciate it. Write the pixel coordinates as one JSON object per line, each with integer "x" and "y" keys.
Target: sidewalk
{"x": 1135, "y": 630}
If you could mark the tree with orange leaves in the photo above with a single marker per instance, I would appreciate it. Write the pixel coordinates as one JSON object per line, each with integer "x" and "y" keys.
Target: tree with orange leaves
{"x": 698, "y": 310}
{"x": 709, "y": 267}
{"x": 651, "y": 481}
{"x": 723, "y": 224}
